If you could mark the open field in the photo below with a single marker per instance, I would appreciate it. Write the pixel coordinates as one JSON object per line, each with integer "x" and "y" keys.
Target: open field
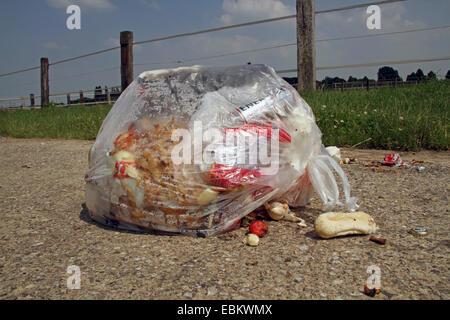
{"x": 46, "y": 228}
{"x": 410, "y": 118}
{"x": 75, "y": 122}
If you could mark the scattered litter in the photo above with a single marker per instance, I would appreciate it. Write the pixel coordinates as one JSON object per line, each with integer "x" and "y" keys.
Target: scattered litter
{"x": 418, "y": 232}
{"x": 277, "y": 210}
{"x": 280, "y": 211}
{"x": 298, "y": 279}
{"x": 371, "y": 292}
{"x": 335, "y": 224}
{"x": 245, "y": 222}
{"x": 26, "y": 166}
{"x": 348, "y": 161}
{"x": 392, "y": 160}
{"x": 356, "y": 294}
{"x": 252, "y": 240}
{"x": 334, "y": 152}
{"x": 259, "y": 228}
{"x": 371, "y": 164}
{"x": 378, "y": 240}
{"x": 383, "y": 170}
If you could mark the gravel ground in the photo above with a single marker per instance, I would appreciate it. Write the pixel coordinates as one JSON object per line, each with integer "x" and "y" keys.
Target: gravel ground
{"x": 46, "y": 228}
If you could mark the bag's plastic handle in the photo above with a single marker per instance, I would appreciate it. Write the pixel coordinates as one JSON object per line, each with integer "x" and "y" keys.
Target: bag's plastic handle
{"x": 324, "y": 182}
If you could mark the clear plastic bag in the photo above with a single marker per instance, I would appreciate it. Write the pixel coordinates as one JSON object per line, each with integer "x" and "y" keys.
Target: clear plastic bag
{"x": 193, "y": 150}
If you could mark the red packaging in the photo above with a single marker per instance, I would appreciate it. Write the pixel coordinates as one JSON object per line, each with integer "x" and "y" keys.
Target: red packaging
{"x": 262, "y": 130}
{"x": 225, "y": 176}
{"x": 393, "y": 160}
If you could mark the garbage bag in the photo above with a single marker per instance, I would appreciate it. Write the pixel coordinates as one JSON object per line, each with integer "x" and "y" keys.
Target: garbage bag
{"x": 192, "y": 150}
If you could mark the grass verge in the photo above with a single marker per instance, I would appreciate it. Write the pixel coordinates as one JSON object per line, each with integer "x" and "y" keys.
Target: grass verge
{"x": 74, "y": 122}
{"x": 408, "y": 118}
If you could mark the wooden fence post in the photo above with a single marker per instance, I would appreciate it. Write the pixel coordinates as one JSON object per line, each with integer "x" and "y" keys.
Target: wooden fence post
{"x": 32, "y": 100}
{"x": 68, "y": 98}
{"x": 306, "y": 51}
{"x": 367, "y": 84}
{"x": 44, "y": 83}
{"x": 126, "y": 58}
{"x": 108, "y": 95}
{"x": 81, "y": 96}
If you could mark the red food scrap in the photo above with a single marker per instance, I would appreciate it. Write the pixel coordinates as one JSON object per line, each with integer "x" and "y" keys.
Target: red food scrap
{"x": 259, "y": 228}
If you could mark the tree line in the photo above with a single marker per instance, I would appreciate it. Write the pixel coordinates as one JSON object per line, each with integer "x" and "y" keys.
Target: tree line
{"x": 385, "y": 73}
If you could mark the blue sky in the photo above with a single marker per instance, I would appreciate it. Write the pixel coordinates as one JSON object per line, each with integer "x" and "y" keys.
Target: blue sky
{"x": 34, "y": 29}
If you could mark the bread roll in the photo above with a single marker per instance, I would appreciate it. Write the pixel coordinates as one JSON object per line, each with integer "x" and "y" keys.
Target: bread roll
{"x": 335, "y": 224}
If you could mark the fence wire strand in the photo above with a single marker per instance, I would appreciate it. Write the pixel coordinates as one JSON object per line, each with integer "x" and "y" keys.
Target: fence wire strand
{"x": 245, "y": 24}
{"x": 371, "y": 64}
{"x": 180, "y": 61}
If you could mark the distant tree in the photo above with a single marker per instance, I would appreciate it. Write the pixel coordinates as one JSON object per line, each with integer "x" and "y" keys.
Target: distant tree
{"x": 338, "y": 80}
{"x": 420, "y": 75}
{"x": 388, "y": 74}
{"x": 447, "y": 76}
{"x": 411, "y": 77}
{"x": 431, "y": 75}
{"x": 291, "y": 80}
{"x": 352, "y": 79}
{"x": 329, "y": 82}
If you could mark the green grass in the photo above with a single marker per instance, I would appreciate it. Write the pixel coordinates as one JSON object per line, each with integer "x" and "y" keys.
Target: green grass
{"x": 410, "y": 118}
{"x": 74, "y": 122}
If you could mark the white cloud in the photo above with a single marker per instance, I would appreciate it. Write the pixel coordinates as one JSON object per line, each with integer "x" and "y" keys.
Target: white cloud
{"x": 96, "y": 4}
{"x": 151, "y": 3}
{"x": 213, "y": 45}
{"x": 254, "y": 9}
{"x": 394, "y": 17}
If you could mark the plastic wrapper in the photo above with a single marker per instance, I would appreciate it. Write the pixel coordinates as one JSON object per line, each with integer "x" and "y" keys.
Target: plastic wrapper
{"x": 192, "y": 150}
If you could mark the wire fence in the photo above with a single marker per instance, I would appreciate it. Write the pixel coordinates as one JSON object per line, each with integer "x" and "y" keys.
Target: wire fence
{"x": 100, "y": 95}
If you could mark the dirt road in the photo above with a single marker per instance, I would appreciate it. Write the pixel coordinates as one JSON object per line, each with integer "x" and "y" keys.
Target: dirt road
{"x": 45, "y": 228}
